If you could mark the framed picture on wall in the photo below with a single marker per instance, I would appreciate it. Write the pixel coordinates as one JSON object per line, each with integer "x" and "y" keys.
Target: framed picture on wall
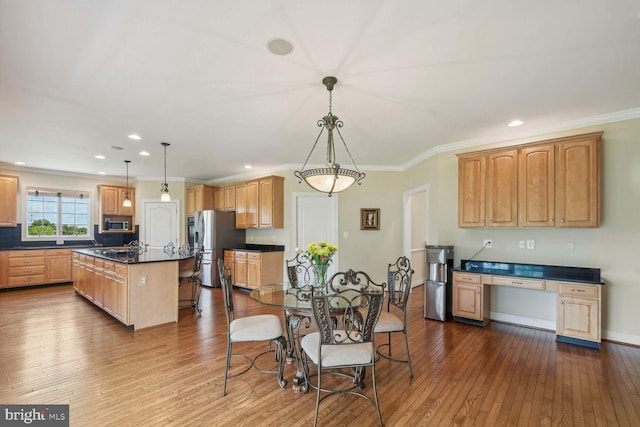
{"x": 370, "y": 219}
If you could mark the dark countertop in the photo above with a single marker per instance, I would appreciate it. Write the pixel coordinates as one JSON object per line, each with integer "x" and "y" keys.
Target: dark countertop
{"x": 35, "y": 248}
{"x": 534, "y": 271}
{"x": 249, "y": 247}
{"x": 129, "y": 256}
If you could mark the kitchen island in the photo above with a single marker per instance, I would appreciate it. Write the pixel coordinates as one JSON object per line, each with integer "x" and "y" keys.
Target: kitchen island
{"x": 137, "y": 287}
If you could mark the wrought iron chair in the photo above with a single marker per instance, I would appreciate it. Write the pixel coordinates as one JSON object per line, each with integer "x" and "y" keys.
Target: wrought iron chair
{"x": 193, "y": 276}
{"x": 260, "y": 327}
{"x": 299, "y": 271}
{"x": 342, "y": 342}
{"x": 394, "y": 318}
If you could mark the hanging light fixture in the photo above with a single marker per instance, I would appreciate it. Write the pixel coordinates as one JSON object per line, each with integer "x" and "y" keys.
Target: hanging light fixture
{"x": 127, "y": 196}
{"x": 164, "y": 187}
{"x": 332, "y": 178}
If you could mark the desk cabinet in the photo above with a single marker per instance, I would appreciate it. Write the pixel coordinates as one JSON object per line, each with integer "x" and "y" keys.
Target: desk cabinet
{"x": 578, "y": 311}
{"x": 254, "y": 269}
{"x": 470, "y": 298}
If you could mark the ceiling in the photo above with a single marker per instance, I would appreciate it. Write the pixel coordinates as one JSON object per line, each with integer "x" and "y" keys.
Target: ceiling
{"x": 414, "y": 77}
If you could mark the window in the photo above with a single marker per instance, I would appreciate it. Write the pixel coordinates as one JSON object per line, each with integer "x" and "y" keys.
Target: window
{"x": 56, "y": 214}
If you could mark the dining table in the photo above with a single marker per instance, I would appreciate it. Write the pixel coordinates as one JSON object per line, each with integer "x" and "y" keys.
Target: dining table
{"x": 296, "y": 303}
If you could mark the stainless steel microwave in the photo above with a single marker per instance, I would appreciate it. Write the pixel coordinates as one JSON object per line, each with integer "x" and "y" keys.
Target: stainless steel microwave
{"x": 116, "y": 225}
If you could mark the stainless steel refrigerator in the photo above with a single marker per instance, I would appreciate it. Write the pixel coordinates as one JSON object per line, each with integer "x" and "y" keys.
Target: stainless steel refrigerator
{"x": 438, "y": 292}
{"x": 214, "y": 231}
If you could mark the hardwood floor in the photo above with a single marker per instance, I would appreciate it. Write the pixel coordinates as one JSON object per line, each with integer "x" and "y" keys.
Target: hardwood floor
{"x": 58, "y": 348}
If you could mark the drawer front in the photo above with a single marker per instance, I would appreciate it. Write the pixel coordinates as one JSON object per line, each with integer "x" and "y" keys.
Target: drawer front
{"x": 99, "y": 263}
{"x": 256, "y": 256}
{"x": 51, "y": 252}
{"x": 26, "y": 271}
{"x": 26, "y": 253}
{"x": 467, "y": 278}
{"x": 26, "y": 261}
{"x": 26, "y": 280}
{"x": 585, "y": 291}
{"x": 518, "y": 282}
{"x": 110, "y": 265}
{"x": 121, "y": 270}
{"x": 241, "y": 255}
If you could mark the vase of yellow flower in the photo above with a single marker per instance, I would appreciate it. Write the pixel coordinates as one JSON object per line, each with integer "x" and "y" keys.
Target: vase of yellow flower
{"x": 319, "y": 256}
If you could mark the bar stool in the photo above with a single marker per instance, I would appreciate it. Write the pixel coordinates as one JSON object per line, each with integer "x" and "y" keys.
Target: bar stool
{"x": 193, "y": 276}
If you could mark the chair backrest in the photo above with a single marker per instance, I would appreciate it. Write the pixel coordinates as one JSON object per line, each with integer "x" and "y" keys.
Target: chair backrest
{"x": 340, "y": 317}
{"x": 299, "y": 271}
{"x": 227, "y": 290}
{"x": 399, "y": 276}
{"x": 197, "y": 261}
{"x": 353, "y": 279}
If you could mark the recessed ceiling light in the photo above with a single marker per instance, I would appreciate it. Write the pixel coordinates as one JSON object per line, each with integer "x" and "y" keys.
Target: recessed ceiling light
{"x": 248, "y": 167}
{"x": 135, "y": 136}
{"x": 99, "y": 156}
{"x": 18, "y": 162}
{"x": 115, "y": 147}
{"x": 515, "y": 123}
{"x": 144, "y": 153}
{"x": 279, "y": 47}
{"x": 102, "y": 173}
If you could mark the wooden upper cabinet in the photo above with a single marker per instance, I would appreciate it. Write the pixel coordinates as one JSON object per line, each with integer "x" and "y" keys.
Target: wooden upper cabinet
{"x": 241, "y": 205}
{"x": 218, "y": 198}
{"x": 555, "y": 183}
{"x": 471, "y": 191}
{"x": 271, "y": 211}
{"x": 199, "y": 198}
{"x": 111, "y": 199}
{"x": 229, "y": 197}
{"x": 252, "y": 201}
{"x": 578, "y": 182}
{"x": 502, "y": 189}
{"x": 8, "y": 201}
{"x": 536, "y": 186}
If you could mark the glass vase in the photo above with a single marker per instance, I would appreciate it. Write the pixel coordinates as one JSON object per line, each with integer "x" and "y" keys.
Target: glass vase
{"x": 321, "y": 274}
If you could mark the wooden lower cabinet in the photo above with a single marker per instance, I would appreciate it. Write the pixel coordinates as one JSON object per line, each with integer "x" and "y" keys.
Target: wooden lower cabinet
{"x": 26, "y": 268}
{"x": 3, "y": 269}
{"x": 59, "y": 265}
{"x": 470, "y": 297}
{"x": 254, "y": 269}
{"x": 578, "y": 312}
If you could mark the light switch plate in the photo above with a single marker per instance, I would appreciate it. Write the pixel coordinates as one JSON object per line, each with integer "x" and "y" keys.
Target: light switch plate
{"x": 531, "y": 244}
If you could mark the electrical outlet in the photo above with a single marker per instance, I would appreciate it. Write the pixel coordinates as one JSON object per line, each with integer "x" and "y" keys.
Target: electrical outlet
{"x": 523, "y": 244}
{"x": 143, "y": 280}
{"x": 59, "y": 242}
{"x": 531, "y": 244}
{"x": 570, "y": 246}
{"x": 487, "y": 243}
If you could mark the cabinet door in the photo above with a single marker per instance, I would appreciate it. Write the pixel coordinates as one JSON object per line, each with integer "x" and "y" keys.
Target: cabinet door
{"x": 3, "y": 269}
{"x": 229, "y": 261}
{"x": 109, "y": 200}
{"x": 471, "y": 191}
{"x": 240, "y": 269}
{"x": 251, "y": 214}
{"x": 536, "y": 186}
{"x": 191, "y": 201}
{"x": 230, "y": 198}
{"x": 271, "y": 210}
{"x": 254, "y": 270}
{"x": 121, "y": 299}
{"x": 59, "y": 268}
{"x": 578, "y": 182}
{"x": 578, "y": 318}
{"x": 241, "y": 206}
{"x": 467, "y": 300}
{"x": 502, "y": 189}
{"x": 218, "y": 198}
{"x": 8, "y": 200}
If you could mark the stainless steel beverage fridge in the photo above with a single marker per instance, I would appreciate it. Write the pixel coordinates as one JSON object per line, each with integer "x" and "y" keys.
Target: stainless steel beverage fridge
{"x": 438, "y": 297}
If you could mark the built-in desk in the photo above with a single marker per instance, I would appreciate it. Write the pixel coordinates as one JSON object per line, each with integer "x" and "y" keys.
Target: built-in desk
{"x": 577, "y": 289}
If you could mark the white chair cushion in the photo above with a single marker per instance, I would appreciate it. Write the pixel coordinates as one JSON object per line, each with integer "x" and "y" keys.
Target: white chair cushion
{"x": 388, "y": 322}
{"x": 336, "y": 355}
{"x": 260, "y": 327}
{"x": 185, "y": 274}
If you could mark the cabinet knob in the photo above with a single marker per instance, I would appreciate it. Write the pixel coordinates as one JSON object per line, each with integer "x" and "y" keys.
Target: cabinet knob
{"x": 561, "y": 301}
{"x": 562, "y": 220}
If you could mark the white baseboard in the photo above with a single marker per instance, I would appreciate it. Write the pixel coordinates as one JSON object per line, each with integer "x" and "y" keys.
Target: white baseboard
{"x": 524, "y": 321}
{"x": 621, "y": 338}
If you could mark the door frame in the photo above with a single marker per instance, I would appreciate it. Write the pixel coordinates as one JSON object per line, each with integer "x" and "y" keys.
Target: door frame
{"x": 407, "y": 220}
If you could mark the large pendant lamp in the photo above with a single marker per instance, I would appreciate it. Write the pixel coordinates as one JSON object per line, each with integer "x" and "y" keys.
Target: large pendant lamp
{"x": 127, "y": 196}
{"x": 332, "y": 178}
{"x": 164, "y": 187}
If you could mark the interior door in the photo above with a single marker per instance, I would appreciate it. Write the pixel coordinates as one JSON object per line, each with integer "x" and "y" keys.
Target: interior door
{"x": 316, "y": 221}
{"x": 161, "y": 224}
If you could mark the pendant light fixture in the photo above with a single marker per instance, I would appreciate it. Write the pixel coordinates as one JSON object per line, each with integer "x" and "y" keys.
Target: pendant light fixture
{"x": 332, "y": 178}
{"x": 127, "y": 196}
{"x": 164, "y": 187}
